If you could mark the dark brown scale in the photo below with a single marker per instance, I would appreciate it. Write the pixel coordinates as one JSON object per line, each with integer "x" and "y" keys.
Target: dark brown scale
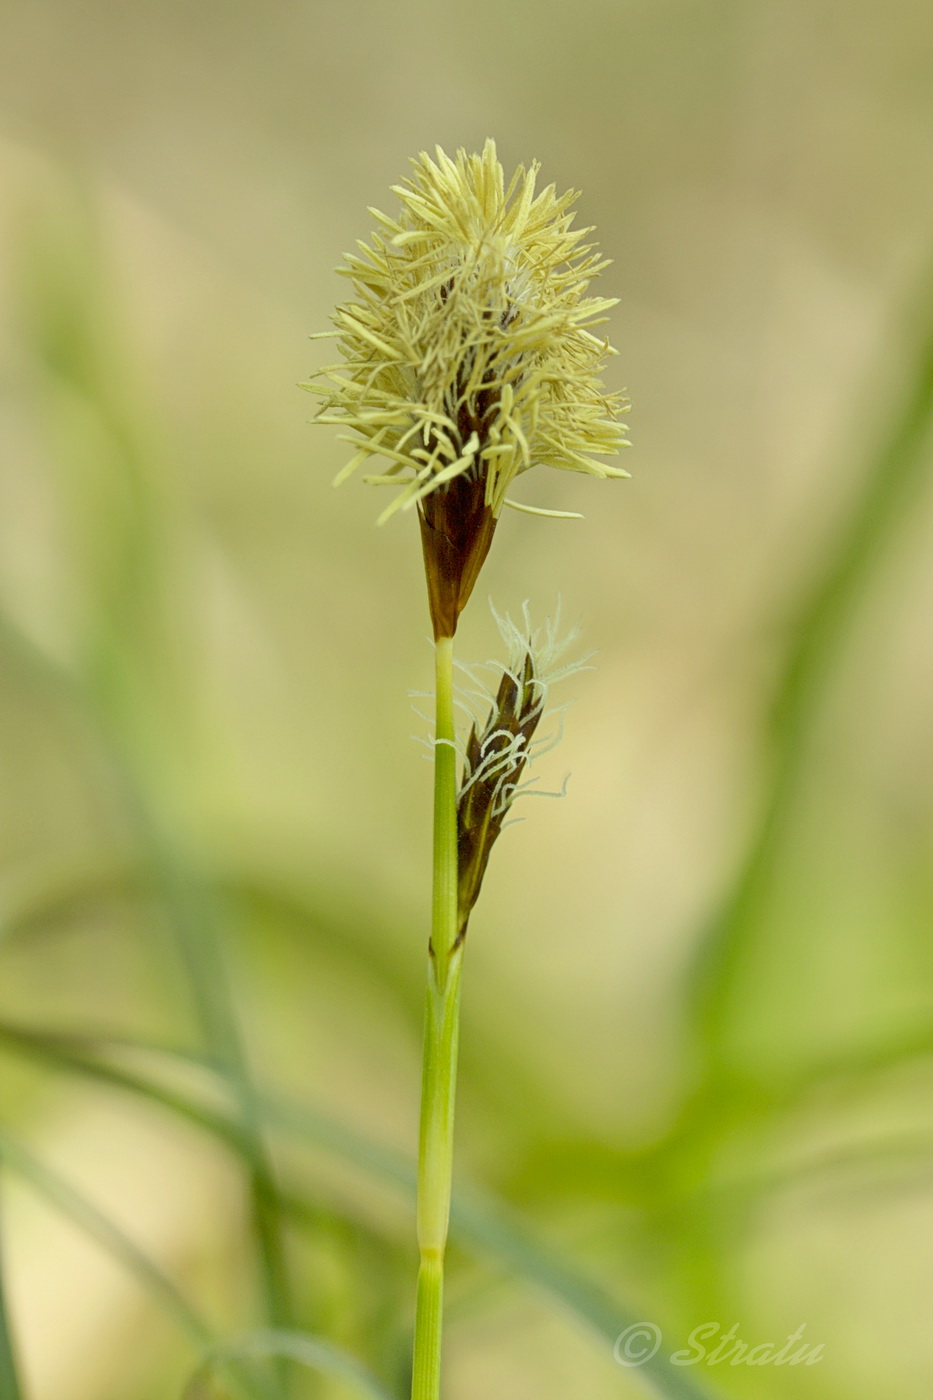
{"x": 457, "y": 525}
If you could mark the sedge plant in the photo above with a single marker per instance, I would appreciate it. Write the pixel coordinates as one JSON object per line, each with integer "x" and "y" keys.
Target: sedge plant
{"x": 467, "y": 357}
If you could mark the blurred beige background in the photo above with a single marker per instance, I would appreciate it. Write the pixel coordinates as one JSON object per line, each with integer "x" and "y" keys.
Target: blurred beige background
{"x": 178, "y": 182}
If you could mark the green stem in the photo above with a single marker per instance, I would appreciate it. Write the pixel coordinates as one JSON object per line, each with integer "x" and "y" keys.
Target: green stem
{"x": 441, "y": 1030}
{"x": 444, "y": 903}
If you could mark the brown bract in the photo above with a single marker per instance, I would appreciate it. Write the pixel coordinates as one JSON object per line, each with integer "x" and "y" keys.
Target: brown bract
{"x": 457, "y": 527}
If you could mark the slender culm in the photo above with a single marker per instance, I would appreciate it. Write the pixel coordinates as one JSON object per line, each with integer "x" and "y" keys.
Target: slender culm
{"x": 467, "y": 358}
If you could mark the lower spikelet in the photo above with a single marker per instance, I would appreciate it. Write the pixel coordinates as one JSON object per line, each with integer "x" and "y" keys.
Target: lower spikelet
{"x": 498, "y": 750}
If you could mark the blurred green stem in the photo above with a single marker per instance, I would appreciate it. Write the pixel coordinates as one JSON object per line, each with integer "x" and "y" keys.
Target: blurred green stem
{"x": 199, "y": 926}
{"x": 483, "y": 1224}
{"x": 10, "y": 1387}
{"x": 441, "y": 1030}
{"x": 122, "y": 684}
{"x": 813, "y": 646}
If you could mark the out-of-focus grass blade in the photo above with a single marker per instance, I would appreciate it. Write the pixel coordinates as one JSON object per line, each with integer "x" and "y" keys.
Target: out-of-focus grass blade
{"x": 123, "y": 676}
{"x": 198, "y": 922}
{"x": 477, "y": 1222}
{"x": 812, "y": 648}
{"x": 10, "y": 1387}
{"x": 484, "y": 1224}
{"x": 72, "y": 1203}
{"x": 77, "y": 1208}
{"x": 306, "y": 1349}
{"x": 364, "y": 938}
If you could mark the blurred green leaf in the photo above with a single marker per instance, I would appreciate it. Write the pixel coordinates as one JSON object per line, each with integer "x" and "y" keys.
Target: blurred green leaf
{"x": 365, "y": 938}
{"x": 83, "y": 1213}
{"x": 813, "y": 646}
{"x": 10, "y": 1387}
{"x": 477, "y": 1222}
{"x": 313, "y": 1352}
{"x": 108, "y": 700}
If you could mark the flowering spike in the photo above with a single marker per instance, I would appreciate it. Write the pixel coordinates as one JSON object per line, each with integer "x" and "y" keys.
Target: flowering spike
{"x": 468, "y": 356}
